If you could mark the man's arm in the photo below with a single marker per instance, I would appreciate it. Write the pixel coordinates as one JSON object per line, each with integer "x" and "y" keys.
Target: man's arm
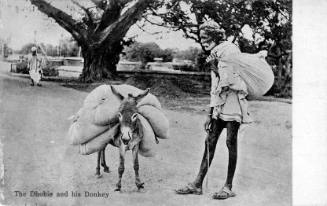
{"x": 44, "y": 57}
{"x": 42, "y": 50}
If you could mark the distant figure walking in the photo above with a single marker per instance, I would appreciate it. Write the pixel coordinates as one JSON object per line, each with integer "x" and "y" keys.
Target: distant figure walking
{"x": 35, "y": 67}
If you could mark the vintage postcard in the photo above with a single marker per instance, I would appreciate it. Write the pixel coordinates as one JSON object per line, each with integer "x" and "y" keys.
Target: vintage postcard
{"x": 146, "y": 102}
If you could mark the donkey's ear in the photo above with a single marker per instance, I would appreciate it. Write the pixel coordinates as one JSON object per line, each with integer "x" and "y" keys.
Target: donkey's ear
{"x": 143, "y": 94}
{"x": 117, "y": 94}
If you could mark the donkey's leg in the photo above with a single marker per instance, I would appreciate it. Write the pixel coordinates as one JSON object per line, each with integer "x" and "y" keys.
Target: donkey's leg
{"x": 209, "y": 151}
{"x": 103, "y": 161}
{"x": 138, "y": 182}
{"x": 121, "y": 167}
{"x": 231, "y": 142}
{"x": 97, "y": 169}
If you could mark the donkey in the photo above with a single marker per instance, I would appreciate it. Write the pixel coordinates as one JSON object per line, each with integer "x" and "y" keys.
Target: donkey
{"x": 129, "y": 137}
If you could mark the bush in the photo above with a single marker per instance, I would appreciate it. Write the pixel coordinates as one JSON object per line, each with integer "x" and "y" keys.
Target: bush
{"x": 184, "y": 67}
{"x": 50, "y": 71}
{"x": 22, "y": 67}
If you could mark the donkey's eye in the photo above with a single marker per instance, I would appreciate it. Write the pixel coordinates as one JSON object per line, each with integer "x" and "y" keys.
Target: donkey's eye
{"x": 134, "y": 117}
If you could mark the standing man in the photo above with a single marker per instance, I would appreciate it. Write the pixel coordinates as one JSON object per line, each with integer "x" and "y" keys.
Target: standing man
{"x": 35, "y": 67}
{"x": 228, "y": 109}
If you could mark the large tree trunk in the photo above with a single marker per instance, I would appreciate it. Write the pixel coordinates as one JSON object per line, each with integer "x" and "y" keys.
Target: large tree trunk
{"x": 100, "y": 63}
{"x": 100, "y": 40}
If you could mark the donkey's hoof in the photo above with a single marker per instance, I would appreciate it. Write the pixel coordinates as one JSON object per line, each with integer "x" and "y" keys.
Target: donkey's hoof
{"x": 106, "y": 169}
{"x": 118, "y": 186}
{"x": 140, "y": 185}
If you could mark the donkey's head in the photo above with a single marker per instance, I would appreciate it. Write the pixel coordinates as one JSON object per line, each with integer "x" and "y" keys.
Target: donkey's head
{"x": 127, "y": 115}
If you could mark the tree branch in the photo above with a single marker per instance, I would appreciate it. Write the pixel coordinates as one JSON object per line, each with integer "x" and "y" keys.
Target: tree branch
{"x": 191, "y": 35}
{"x": 158, "y": 24}
{"x": 119, "y": 28}
{"x": 64, "y": 20}
{"x": 111, "y": 14}
{"x": 87, "y": 12}
{"x": 153, "y": 33}
{"x": 102, "y": 4}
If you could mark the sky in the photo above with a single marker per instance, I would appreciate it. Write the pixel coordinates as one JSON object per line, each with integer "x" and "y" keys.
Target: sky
{"x": 20, "y": 24}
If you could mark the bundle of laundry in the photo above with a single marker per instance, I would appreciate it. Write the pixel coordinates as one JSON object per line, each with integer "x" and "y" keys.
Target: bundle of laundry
{"x": 252, "y": 68}
{"x": 96, "y": 124}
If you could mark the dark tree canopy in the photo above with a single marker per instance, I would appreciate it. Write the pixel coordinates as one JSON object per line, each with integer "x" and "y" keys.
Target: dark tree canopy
{"x": 270, "y": 20}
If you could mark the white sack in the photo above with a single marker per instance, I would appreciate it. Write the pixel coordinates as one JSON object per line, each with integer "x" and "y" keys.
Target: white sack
{"x": 157, "y": 120}
{"x": 150, "y": 99}
{"x": 106, "y": 104}
{"x": 97, "y": 95}
{"x": 99, "y": 142}
{"x": 107, "y": 111}
{"x": 254, "y": 70}
{"x": 147, "y": 144}
{"x": 100, "y": 110}
{"x": 104, "y": 92}
{"x": 83, "y": 129}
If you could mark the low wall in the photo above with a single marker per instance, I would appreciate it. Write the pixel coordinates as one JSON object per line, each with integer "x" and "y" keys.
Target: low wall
{"x": 192, "y": 82}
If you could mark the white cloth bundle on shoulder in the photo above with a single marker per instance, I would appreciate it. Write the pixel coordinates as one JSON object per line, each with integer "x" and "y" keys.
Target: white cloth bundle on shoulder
{"x": 254, "y": 70}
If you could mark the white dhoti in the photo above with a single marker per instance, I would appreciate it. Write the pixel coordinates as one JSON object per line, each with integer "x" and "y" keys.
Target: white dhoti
{"x": 35, "y": 75}
{"x": 35, "y": 64}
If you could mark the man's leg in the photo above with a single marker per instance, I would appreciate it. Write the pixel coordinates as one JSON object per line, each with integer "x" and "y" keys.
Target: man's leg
{"x": 38, "y": 79}
{"x": 231, "y": 142}
{"x": 32, "y": 81}
{"x": 31, "y": 77}
{"x": 210, "y": 144}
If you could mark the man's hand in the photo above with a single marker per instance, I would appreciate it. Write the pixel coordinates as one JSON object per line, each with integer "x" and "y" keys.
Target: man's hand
{"x": 224, "y": 89}
{"x": 208, "y": 123}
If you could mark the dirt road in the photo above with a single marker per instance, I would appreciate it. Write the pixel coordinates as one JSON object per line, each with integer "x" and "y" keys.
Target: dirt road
{"x": 37, "y": 156}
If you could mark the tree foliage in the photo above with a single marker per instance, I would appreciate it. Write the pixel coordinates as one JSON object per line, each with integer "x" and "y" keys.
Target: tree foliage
{"x": 146, "y": 52}
{"x": 66, "y": 47}
{"x": 190, "y": 54}
{"x": 270, "y": 22}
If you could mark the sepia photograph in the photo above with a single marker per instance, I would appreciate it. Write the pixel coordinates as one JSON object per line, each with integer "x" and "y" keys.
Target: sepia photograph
{"x": 146, "y": 102}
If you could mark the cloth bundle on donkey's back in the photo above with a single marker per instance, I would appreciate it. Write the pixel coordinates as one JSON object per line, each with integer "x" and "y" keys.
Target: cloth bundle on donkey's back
{"x": 96, "y": 123}
{"x": 99, "y": 142}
